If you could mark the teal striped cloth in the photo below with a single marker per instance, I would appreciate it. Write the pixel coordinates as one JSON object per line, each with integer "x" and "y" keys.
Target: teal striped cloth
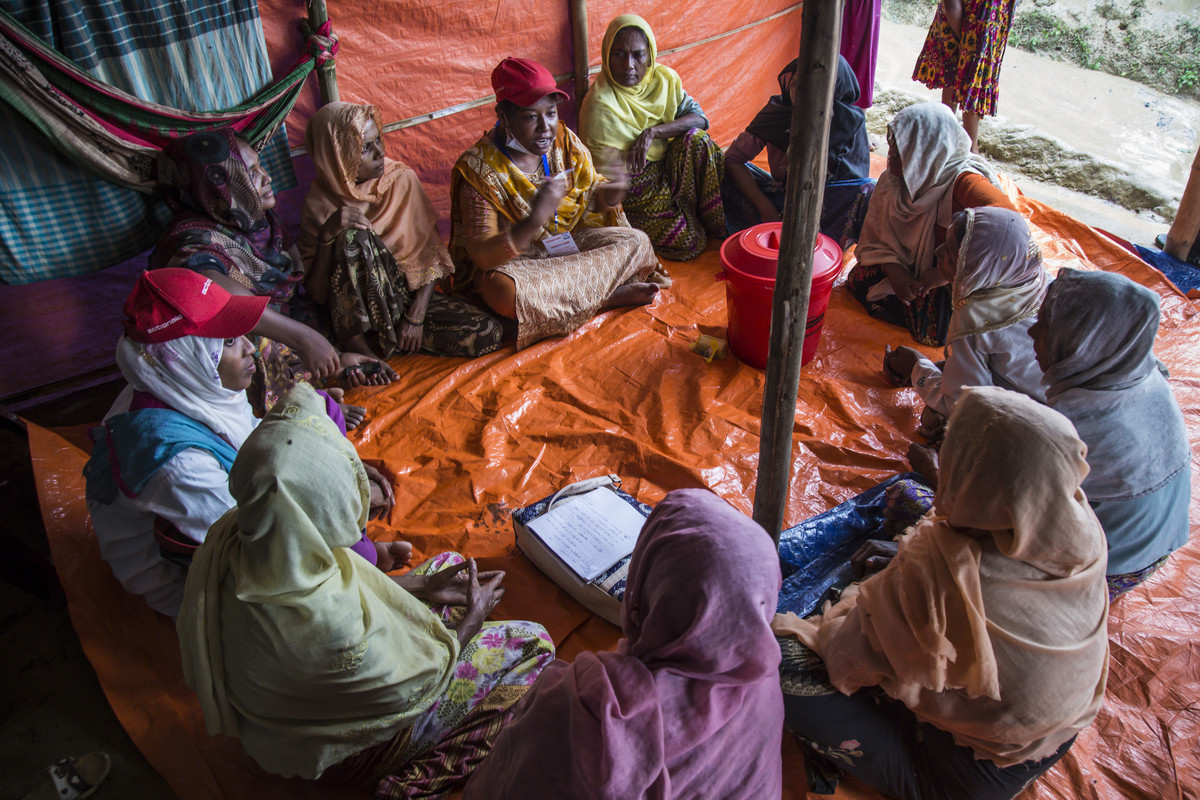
{"x": 56, "y": 218}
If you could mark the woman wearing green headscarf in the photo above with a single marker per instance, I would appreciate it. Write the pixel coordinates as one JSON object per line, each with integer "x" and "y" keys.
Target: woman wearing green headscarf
{"x": 322, "y": 665}
{"x": 639, "y": 108}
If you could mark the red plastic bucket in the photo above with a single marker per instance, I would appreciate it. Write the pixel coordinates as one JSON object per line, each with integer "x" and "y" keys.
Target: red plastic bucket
{"x": 750, "y": 259}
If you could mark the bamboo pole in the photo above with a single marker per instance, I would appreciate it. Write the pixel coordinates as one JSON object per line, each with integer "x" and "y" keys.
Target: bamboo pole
{"x": 318, "y": 15}
{"x": 820, "y": 35}
{"x": 579, "y": 36}
{"x": 1183, "y": 231}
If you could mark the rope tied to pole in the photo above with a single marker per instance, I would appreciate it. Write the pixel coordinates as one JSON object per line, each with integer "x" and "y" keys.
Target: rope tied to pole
{"x": 321, "y": 43}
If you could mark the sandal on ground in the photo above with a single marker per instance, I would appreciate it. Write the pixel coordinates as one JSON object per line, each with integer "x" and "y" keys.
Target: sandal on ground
{"x": 73, "y": 778}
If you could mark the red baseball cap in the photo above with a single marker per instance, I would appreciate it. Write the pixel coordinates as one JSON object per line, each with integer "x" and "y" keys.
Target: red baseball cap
{"x": 170, "y": 303}
{"x": 524, "y": 82}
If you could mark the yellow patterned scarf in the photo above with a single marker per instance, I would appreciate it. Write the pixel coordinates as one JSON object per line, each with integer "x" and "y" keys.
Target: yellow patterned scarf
{"x": 493, "y": 174}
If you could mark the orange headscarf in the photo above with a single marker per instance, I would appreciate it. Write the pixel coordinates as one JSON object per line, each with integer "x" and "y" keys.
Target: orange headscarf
{"x": 396, "y": 205}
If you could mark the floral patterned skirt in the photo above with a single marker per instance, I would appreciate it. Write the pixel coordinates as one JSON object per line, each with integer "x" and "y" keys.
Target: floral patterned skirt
{"x": 969, "y": 66}
{"x": 435, "y": 755}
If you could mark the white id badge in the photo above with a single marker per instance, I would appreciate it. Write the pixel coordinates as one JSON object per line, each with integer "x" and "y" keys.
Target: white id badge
{"x": 560, "y": 244}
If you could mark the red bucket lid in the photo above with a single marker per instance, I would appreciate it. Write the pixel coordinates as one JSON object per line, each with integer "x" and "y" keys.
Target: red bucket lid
{"x": 753, "y": 254}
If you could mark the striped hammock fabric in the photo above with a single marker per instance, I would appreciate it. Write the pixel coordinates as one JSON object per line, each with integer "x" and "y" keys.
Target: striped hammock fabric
{"x": 115, "y": 133}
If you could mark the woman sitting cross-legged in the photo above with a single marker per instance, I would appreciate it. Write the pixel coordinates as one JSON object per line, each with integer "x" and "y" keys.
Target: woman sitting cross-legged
{"x": 752, "y": 196}
{"x": 998, "y": 281}
{"x": 931, "y": 176}
{"x": 225, "y": 229}
{"x": 540, "y": 229}
{"x": 639, "y": 108}
{"x": 968, "y": 664}
{"x": 321, "y": 665}
{"x": 159, "y": 472}
{"x": 371, "y": 247}
{"x": 1094, "y": 337}
{"x": 689, "y": 704}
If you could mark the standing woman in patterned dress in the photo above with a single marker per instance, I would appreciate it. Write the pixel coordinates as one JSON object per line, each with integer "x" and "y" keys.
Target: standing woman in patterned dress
{"x": 962, "y": 56}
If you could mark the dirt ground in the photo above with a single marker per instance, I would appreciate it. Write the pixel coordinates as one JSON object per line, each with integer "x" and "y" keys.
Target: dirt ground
{"x": 1112, "y": 152}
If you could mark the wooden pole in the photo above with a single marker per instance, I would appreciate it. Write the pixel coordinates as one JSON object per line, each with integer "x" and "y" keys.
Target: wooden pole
{"x": 1183, "y": 231}
{"x": 820, "y": 36}
{"x": 579, "y": 36}
{"x": 318, "y": 15}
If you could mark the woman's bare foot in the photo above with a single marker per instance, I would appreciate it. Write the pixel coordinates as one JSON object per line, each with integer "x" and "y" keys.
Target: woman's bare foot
{"x": 631, "y": 294}
{"x": 354, "y": 415}
{"x": 924, "y": 462}
{"x": 360, "y": 370}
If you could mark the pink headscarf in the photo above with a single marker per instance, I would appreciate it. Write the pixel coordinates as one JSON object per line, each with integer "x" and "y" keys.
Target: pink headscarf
{"x": 690, "y": 704}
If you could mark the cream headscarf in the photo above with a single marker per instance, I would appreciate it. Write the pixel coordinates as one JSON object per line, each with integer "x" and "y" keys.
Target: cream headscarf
{"x": 904, "y": 210}
{"x": 990, "y": 623}
{"x": 614, "y": 115}
{"x": 999, "y": 280}
{"x": 295, "y": 644}
{"x": 183, "y": 374}
{"x": 396, "y": 204}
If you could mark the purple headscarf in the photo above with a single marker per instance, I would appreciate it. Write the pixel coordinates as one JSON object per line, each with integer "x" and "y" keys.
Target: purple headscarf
{"x": 690, "y": 704}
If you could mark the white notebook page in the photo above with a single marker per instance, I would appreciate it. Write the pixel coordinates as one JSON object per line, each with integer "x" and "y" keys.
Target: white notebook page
{"x": 590, "y": 532}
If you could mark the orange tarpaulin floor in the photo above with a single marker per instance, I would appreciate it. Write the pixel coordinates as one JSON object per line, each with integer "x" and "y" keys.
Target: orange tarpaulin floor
{"x": 469, "y": 441}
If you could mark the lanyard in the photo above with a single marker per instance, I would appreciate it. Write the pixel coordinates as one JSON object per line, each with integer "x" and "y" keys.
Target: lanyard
{"x": 545, "y": 167}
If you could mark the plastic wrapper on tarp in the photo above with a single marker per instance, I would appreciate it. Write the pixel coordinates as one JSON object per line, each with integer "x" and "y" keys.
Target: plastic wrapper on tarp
{"x": 413, "y": 58}
{"x": 815, "y": 555}
{"x": 467, "y": 442}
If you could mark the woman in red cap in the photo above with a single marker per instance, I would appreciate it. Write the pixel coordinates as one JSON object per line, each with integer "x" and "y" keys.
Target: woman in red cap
{"x": 159, "y": 471}
{"x": 540, "y": 229}
{"x": 640, "y": 108}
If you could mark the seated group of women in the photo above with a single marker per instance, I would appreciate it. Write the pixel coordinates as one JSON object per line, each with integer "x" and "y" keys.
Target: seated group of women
{"x": 547, "y": 227}
{"x": 954, "y": 262}
{"x": 964, "y": 667}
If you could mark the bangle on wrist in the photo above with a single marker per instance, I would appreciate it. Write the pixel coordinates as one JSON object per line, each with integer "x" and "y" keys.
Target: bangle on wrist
{"x": 326, "y": 242}
{"x": 411, "y": 321}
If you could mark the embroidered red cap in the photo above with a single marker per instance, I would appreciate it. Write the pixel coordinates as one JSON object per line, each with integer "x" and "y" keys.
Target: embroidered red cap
{"x": 170, "y": 303}
{"x": 524, "y": 82}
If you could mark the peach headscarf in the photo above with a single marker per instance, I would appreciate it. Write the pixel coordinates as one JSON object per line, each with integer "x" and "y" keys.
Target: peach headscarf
{"x": 990, "y": 623}
{"x": 400, "y": 212}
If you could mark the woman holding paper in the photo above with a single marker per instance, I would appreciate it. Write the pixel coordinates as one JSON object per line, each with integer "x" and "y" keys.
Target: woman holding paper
{"x": 689, "y": 705}
{"x": 537, "y": 225}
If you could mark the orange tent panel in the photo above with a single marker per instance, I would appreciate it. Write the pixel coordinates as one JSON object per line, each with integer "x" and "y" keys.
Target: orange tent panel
{"x": 466, "y": 442}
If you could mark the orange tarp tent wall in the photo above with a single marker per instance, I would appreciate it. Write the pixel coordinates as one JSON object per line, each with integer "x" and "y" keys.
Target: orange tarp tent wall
{"x": 467, "y": 442}
{"x": 413, "y": 58}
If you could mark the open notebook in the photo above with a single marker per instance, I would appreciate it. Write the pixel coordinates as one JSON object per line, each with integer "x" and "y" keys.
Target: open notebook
{"x": 584, "y": 544}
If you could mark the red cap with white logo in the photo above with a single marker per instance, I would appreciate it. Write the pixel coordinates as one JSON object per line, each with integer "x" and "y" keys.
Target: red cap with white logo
{"x": 170, "y": 303}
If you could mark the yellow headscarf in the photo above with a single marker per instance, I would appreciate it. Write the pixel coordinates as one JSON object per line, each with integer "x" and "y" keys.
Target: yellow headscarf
{"x": 295, "y": 644}
{"x": 614, "y": 115}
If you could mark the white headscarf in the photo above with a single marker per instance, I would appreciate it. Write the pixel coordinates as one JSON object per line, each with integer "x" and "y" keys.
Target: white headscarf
{"x": 900, "y": 221}
{"x": 183, "y": 374}
{"x": 1000, "y": 280}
